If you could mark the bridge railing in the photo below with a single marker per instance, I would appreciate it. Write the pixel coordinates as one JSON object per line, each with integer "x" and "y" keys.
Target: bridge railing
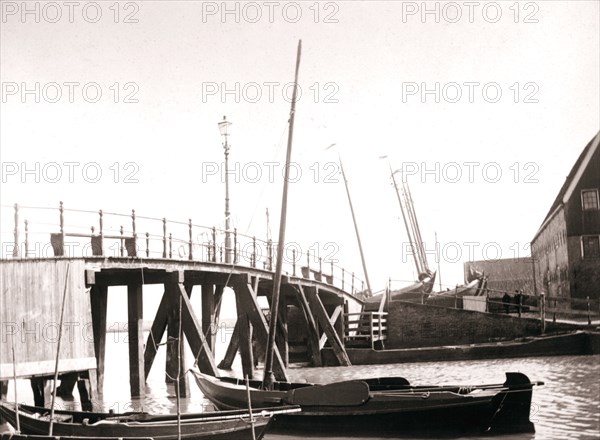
{"x": 58, "y": 232}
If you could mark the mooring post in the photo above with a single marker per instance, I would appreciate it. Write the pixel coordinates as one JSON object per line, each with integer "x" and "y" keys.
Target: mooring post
{"x": 589, "y": 311}
{"x": 543, "y": 311}
{"x": 136, "y": 340}
{"x": 16, "y": 232}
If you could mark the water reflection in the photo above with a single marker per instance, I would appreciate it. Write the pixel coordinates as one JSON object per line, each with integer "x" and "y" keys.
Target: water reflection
{"x": 566, "y": 407}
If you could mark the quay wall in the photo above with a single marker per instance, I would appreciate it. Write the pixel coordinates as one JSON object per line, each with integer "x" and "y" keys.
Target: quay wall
{"x": 413, "y": 325}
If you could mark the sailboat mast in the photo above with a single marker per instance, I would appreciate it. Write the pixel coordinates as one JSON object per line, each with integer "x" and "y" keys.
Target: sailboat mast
{"x": 268, "y": 378}
{"x": 408, "y": 232}
{"x": 360, "y": 248}
{"x": 415, "y": 224}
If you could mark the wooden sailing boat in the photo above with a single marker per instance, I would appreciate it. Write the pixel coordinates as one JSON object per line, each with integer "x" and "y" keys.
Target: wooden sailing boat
{"x": 370, "y": 406}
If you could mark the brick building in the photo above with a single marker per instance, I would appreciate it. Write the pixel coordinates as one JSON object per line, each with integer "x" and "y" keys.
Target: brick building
{"x": 504, "y": 275}
{"x": 566, "y": 248}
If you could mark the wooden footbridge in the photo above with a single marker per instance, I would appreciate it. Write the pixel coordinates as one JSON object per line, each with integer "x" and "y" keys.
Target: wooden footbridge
{"x": 50, "y": 257}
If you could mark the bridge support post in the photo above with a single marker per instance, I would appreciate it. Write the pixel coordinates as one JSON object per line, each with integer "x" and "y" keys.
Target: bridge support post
{"x": 244, "y": 338}
{"x": 136, "y": 342}
{"x": 282, "y": 330}
{"x": 99, "y": 302}
{"x": 159, "y": 325}
{"x": 175, "y": 359}
{"x": 313, "y": 334}
{"x": 336, "y": 344}
{"x": 246, "y": 293}
{"x": 192, "y": 327}
{"x": 38, "y": 385}
{"x": 232, "y": 348}
{"x": 208, "y": 314}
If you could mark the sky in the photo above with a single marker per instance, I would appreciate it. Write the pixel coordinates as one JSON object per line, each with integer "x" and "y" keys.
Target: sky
{"x": 485, "y": 106}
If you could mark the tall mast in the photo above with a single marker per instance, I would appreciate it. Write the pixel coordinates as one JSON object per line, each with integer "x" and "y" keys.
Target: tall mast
{"x": 415, "y": 224}
{"x": 268, "y": 378}
{"x": 360, "y": 248}
{"x": 408, "y": 231}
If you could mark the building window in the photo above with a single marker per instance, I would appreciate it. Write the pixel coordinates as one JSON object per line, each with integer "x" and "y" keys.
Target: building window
{"x": 589, "y": 199}
{"x": 590, "y": 246}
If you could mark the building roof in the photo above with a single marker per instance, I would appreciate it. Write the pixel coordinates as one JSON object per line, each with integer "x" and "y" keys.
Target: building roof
{"x": 571, "y": 181}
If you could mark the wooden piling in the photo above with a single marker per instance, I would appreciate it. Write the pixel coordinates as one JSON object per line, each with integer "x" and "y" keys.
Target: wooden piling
{"x": 208, "y": 314}
{"x": 136, "y": 342}
{"x": 175, "y": 359}
{"x": 99, "y": 302}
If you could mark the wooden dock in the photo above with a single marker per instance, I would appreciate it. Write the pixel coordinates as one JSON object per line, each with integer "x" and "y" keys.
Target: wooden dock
{"x": 33, "y": 284}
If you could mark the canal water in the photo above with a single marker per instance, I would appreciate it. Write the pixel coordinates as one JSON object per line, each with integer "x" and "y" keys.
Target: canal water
{"x": 566, "y": 407}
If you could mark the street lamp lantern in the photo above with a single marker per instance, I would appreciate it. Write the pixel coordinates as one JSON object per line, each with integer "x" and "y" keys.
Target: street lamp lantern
{"x": 224, "y": 129}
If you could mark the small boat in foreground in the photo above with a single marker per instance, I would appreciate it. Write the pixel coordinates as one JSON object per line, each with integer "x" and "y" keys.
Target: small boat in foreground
{"x": 388, "y": 406}
{"x": 234, "y": 425}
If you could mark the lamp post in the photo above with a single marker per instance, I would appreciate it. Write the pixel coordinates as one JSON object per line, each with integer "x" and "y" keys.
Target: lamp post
{"x": 224, "y": 129}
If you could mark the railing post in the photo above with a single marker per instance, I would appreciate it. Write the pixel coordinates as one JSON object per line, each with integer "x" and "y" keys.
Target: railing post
{"x": 101, "y": 231}
{"x": 133, "y": 224}
{"x": 332, "y": 282}
{"x": 214, "y": 233}
{"x": 235, "y": 255}
{"x": 308, "y": 261}
{"x": 352, "y": 287}
{"x": 294, "y": 261}
{"x": 61, "y": 210}
{"x": 254, "y": 251}
{"x": 389, "y": 291}
{"x": 371, "y": 330}
{"x": 456, "y": 297}
{"x": 16, "y": 232}
{"x": 343, "y": 270}
{"x": 190, "y": 244}
{"x": 520, "y": 304}
{"x": 270, "y": 253}
{"x": 320, "y": 268}
{"x": 122, "y": 242}
{"x": 589, "y": 311}
{"x": 147, "y": 245}
{"x": 170, "y": 245}
{"x": 164, "y": 220}
{"x": 27, "y": 246}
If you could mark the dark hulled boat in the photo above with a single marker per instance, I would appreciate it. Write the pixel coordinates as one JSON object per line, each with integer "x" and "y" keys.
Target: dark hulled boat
{"x": 234, "y": 425}
{"x": 384, "y": 406}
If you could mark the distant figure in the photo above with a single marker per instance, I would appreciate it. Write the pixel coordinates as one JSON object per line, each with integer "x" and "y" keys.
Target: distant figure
{"x": 518, "y": 297}
{"x": 506, "y": 301}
